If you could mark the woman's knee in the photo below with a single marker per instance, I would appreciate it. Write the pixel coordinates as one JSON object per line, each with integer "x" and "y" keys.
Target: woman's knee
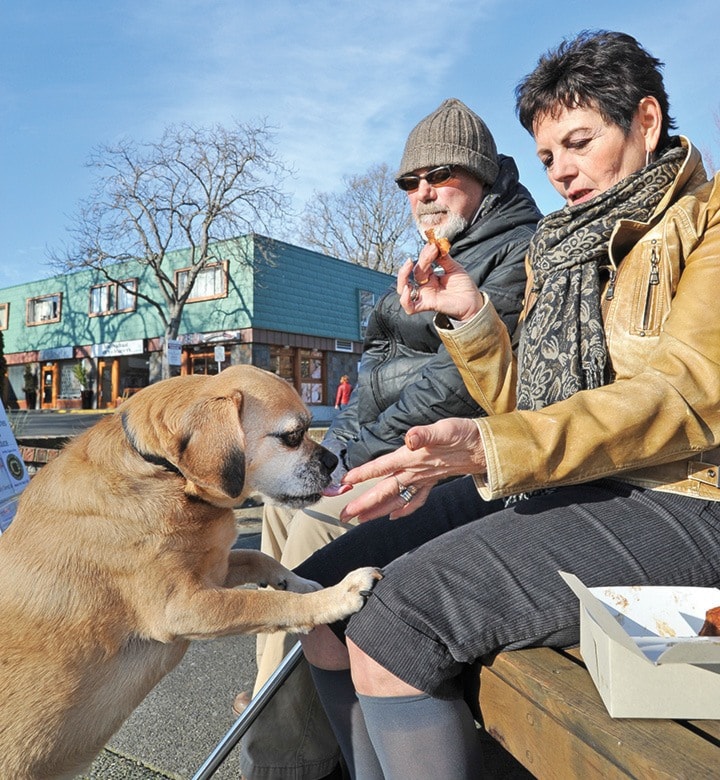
{"x": 372, "y": 679}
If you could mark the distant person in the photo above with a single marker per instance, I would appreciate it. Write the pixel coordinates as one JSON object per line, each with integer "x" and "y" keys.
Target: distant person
{"x": 458, "y": 185}
{"x": 344, "y": 389}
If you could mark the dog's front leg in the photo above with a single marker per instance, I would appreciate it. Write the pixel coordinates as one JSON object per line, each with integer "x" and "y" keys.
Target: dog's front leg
{"x": 251, "y": 566}
{"x": 203, "y": 613}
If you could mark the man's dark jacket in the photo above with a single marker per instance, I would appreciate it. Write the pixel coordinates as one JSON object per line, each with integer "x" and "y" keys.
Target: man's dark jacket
{"x": 406, "y": 376}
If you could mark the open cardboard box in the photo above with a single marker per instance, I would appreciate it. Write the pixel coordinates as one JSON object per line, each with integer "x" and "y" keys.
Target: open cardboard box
{"x": 641, "y": 648}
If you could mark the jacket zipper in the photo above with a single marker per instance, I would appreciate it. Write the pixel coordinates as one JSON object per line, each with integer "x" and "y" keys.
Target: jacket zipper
{"x": 653, "y": 282}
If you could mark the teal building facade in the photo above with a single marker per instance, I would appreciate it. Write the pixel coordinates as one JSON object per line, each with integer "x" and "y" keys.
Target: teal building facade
{"x": 76, "y": 339}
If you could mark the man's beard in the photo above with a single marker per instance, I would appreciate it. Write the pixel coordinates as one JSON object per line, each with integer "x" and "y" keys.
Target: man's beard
{"x": 428, "y": 216}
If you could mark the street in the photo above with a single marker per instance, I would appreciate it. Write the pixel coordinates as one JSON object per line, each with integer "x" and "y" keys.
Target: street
{"x": 50, "y": 424}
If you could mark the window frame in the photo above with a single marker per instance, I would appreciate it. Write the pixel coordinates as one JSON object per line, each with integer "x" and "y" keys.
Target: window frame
{"x": 4, "y": 315}
{"x": 30, "y": 303}
{"x": 117, "y": 288}
{"x": 220, "y": 264}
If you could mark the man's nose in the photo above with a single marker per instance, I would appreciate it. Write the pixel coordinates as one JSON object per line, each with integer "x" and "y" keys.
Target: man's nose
{"x": 426, "y": 191}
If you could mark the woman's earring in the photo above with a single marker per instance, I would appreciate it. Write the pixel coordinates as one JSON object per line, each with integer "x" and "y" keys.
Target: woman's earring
{"x": 649, "y": 157}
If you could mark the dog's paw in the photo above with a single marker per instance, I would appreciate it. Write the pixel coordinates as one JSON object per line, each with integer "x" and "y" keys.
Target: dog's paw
{"x": 356, "y": 587}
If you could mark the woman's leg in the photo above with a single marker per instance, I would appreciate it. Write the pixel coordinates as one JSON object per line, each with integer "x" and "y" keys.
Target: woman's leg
{"x": 493, "y": 585}
{"x": 378, "y": 542}
{"x": 375, "y": 543}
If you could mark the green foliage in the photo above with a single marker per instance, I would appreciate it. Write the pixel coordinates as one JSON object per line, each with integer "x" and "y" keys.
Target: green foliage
{"x": 80, "y": 373}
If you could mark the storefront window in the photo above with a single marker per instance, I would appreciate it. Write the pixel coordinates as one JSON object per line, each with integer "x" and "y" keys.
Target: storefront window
{"x": 304, "y": 369}
{"x": 203, "y": 363}
{"x": 311, "y": 376}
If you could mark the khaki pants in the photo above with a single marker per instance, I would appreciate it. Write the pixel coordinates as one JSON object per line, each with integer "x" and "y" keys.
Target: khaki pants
{"x": 292, "y": 737}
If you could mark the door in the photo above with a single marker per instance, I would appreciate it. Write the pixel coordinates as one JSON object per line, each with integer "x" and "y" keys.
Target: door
{"x": 49, "y": 386}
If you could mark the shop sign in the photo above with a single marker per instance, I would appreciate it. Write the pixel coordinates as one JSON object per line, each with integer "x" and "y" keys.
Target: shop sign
{"x": 118, "y": 348}
{"x": 56, "y": 353}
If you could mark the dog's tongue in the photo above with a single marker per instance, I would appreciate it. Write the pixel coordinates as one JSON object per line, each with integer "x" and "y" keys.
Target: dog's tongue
{"x": 336, "y": 490}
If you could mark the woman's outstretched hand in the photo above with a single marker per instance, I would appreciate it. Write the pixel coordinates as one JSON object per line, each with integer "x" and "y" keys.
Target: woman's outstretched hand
{"x": 447, "y": 448}
{"x": 453, "y": 292}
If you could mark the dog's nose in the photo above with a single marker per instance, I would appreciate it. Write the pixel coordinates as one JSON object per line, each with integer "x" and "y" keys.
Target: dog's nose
{"x": 328, "y": 459}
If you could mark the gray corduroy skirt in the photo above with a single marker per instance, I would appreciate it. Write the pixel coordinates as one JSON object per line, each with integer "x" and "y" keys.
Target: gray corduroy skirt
{"x": 465, "y": 578}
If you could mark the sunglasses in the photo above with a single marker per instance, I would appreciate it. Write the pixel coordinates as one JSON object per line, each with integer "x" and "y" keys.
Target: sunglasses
{"x": 433, "y": 177}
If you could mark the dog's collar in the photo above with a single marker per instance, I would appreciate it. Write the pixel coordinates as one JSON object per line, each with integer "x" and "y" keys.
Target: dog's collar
{"x": 156, "y": 460}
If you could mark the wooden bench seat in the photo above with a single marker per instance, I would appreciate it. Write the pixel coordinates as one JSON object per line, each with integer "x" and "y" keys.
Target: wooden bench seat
{"x": 542, "y": 706}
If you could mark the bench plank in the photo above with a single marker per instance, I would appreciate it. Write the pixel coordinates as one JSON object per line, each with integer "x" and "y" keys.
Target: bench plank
{"x": 543, "y": 707}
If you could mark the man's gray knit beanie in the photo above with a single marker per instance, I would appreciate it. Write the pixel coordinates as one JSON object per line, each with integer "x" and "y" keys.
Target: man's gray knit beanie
{"x": 452, "y": 135}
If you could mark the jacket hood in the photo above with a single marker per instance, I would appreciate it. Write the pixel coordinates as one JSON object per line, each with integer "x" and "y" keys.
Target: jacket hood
{"x": 508, "y": 197}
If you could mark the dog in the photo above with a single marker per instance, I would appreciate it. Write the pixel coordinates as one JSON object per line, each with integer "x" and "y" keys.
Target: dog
{"x": 121, "y": 553}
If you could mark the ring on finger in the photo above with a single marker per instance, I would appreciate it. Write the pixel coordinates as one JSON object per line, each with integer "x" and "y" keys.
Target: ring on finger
{"x": 406, "y": 493}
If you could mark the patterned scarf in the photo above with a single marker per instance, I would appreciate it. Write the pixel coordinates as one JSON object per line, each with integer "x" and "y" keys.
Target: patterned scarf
{"x": 562, "y": 348}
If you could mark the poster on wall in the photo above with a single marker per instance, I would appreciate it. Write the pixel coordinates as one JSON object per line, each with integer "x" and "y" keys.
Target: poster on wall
{"x": 13, "y": 474}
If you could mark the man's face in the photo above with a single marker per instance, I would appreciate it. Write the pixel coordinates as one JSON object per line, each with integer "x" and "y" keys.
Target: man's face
{"x": 447, "y": 207}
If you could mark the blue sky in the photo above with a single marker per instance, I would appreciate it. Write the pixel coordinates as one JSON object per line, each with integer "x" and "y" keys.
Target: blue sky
{"x": 343, "y": 82}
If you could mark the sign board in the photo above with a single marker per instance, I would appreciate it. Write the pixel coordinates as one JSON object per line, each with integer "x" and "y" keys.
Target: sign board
{"x": 219, "y": 354}
{"x": 174, "y": 353}
{"x": 56, "y": 353}
{"x": 13, "y": 474}
{"x": 118, "y": 348}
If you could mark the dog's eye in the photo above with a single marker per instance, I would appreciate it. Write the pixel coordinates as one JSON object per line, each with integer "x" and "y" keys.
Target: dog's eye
{"x": 292, "y": 439}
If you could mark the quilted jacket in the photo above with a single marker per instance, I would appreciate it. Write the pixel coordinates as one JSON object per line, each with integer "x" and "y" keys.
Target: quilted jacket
{"x": 406, "y": 376}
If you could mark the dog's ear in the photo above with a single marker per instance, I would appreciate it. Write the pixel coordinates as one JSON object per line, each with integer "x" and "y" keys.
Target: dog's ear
{"x": 211, "y": 444}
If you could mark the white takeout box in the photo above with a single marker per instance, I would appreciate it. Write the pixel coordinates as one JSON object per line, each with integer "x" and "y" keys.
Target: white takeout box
{"x": 641, "y": 648}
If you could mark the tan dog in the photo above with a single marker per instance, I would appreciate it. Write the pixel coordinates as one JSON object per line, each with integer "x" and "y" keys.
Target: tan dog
{"x": 121, "y": 553}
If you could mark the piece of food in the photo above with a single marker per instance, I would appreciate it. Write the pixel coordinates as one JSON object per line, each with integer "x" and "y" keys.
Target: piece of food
{"x": 711, "y": 626}
{"x": 442, "y": 244}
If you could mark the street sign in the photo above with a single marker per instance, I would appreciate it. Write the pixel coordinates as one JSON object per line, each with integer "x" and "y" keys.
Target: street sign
{"x": 174, "y": 353}
{"x": 219, "y": 355}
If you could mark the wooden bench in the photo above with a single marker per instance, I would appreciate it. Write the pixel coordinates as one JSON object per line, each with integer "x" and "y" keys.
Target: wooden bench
{"x": 542, "y": 706}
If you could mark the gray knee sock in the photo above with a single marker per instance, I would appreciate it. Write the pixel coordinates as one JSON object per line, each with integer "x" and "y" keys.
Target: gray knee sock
{"x": 338, "y": 698}
{"x": 419, "y": 736}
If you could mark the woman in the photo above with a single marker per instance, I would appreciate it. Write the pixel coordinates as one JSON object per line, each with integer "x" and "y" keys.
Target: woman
{"x": 344, "y": 389}
{"x": 599, "y": 446}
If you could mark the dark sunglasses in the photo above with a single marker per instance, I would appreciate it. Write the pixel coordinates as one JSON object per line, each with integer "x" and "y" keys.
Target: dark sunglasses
{"x": 435, "y": 176}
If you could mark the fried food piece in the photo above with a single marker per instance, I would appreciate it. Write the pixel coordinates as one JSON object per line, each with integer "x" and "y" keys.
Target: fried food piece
{"x": 711, "y": 626}
{"x": 442, "y": 244}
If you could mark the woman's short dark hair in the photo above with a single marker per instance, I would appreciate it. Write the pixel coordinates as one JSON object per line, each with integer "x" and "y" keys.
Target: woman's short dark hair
{"x": 608, "y": 71}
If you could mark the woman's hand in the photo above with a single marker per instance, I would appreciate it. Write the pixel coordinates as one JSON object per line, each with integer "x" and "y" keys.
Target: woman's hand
{"x": 454, "y": 293}
{"x": 446, "y": 448}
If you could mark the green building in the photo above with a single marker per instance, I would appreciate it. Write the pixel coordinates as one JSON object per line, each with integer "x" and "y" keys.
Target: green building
{"x": 283, "y": 308}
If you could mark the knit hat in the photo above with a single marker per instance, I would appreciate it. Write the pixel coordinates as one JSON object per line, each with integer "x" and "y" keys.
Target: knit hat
{"x": 452, "y": 135}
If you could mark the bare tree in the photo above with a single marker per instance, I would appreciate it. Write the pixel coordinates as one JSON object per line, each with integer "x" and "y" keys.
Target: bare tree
{"x": 708, "y": 156}
{"x": 191, "y": 189}
{"x": 368, "y": 223}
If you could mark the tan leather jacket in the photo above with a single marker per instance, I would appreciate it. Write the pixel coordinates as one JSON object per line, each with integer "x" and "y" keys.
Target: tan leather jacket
{"x": 657, "y": 424}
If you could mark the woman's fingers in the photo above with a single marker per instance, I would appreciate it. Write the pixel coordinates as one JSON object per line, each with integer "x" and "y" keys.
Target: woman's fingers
{"x": 391, "y": 496}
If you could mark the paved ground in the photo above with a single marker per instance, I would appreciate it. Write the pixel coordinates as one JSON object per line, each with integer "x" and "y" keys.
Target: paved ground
{"x": 182, "y": 720}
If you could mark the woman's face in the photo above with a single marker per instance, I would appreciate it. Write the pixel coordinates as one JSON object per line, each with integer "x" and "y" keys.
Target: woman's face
{"x": 584, "y": 155}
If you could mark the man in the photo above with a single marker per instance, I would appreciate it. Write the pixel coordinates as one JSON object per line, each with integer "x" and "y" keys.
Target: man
{"x": 458, "y": 185}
